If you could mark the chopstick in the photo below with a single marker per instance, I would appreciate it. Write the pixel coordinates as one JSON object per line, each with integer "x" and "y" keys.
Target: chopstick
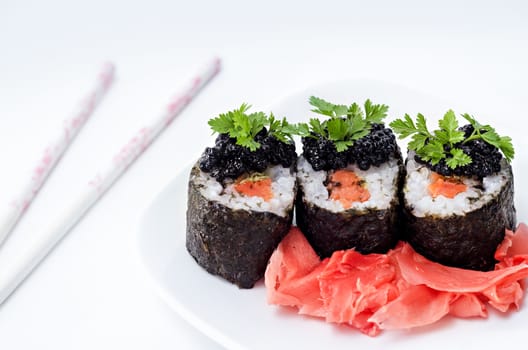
{"x": 54, "y": 151}
{"x": 11, "y": 278}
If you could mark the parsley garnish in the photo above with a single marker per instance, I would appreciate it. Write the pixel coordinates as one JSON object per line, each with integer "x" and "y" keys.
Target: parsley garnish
{"x": 346, "y": 124}
{"x": 444, "y": 142}
{"x": 244, "y": 127}
{"x": 488, "y": 134}
{"x": 281, "y": 129}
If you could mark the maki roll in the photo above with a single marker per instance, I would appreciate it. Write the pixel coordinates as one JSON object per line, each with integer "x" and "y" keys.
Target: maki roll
{"x": 458, "y": 192}
{"x": 348, "y": 178}
{"x": 241, "y": 195}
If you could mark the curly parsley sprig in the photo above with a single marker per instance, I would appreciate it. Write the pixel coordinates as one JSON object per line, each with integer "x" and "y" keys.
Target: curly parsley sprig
{"x": 346, "y": 124}
{"x": 442, "y": 143}
{"x": 244, "y": 127}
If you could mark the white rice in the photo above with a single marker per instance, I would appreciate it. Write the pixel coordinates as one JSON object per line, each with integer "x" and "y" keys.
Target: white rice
{"x": 381, "y": 182}
{"x": 282, "y": 186}
{"x": 417, "y": 196}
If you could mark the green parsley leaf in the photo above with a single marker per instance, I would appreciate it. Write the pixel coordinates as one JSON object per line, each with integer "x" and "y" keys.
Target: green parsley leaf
{"x": 418, "y": 142}
{"x": 503, "y": 143}
{"x": 449, "y": 121}
{"x": 346, "y": 124}
{"x": 281, "y": 129}
{"x": 302, "y": 129}
{"x": 459, "y": 158}
{"x": 337, "y": 129}
{"x": 248, "y": 142}
{"x": 274, "y": 124}
{"x": 354, "y": 111}
{"x": 244, "y": 127}
{"x": 257, "y": 121}
{"x": 340, "y": 110}
{"x": 472, "y": 121}
{"x": 506, "y": 147}
{"x": 222, "y": 124}
{"x": 375, "y": 113}
{"x": 492, "y": 138}
{"x": 449, "y": 133}
{"x": 322, "y": 106}
{"x": 342, "y": 145}
{"x": 421, "y": 123}
{"x": 326, "y": 108}
{"x": 357, "y": 126}
{"x": 405, "y": 127}
{"x": 317, "y": 127}
{"x": 433, "y": 151}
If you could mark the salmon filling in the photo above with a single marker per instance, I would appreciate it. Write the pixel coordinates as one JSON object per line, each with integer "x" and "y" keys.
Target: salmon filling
{"x": 256, "y": 185}
{"x": 445, "y": 186}
{"x": 347, "y": 188}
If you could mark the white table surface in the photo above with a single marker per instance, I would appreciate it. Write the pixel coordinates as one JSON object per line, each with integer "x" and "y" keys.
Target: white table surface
{"x": 91, "y": 293}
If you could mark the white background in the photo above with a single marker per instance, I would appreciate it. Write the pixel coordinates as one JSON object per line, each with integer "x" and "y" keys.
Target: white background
{"x": 91, "y": 292}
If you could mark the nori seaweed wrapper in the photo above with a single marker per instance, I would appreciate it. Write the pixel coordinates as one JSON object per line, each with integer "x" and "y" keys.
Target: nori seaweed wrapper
{"x": 233, "y": 244}
{"x": 367, "y": 231}
{"x": 467, "y": 241}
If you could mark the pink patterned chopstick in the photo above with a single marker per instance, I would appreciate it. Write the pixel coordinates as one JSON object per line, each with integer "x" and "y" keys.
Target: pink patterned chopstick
{"x": 37, "y": 250}
{"x": 54, "y": 151}
{"x": 144, "y": 137}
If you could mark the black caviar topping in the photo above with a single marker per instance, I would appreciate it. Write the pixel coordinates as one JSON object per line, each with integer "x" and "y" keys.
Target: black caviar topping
{"x": 374, "y": 149}
{"x": 321, "y": 153}
{"x": 229, "y": 160}
{"x": 486, "y": 158}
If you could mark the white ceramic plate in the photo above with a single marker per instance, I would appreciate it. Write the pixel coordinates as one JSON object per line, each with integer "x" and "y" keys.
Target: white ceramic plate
{"x": 241, "y": 319}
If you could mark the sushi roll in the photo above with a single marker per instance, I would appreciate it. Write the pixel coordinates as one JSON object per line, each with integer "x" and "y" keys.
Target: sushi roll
{"x": 348, "y": 178}
{"x": 241, "y": 196}
{"x": 458, "y": 192}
